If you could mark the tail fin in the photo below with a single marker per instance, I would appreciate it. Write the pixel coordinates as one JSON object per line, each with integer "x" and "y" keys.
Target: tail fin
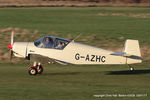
{"x": 131, "y": 47}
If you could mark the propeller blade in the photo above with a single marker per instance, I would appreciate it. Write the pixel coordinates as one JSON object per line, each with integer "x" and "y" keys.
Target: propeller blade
{"x": 10, "y": 55}
{"x": 12, "y": 37}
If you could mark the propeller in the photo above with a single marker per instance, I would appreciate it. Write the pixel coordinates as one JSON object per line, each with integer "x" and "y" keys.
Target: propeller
{"x": 10, "y": 55}
{"x": 10, "y": 46}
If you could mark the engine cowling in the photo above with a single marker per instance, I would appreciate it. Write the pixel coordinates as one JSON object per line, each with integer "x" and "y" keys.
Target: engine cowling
{"x": 20, "y": 49}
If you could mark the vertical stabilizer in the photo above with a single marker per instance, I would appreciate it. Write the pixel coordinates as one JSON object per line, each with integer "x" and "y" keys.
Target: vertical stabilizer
{"x": 131, "y": 47}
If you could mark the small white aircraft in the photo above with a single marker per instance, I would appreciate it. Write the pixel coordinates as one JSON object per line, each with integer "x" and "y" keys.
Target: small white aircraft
{"x": 57, "y": 50}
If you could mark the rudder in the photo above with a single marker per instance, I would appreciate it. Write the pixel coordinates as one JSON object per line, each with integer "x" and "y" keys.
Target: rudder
{"x": 132, "y": 47}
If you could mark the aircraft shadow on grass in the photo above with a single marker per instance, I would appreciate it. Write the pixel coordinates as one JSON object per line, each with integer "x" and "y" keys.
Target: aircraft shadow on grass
{"x": 128, "y": 72}
{"x": 122, "y": 72}
{"x": 64, "y": 73}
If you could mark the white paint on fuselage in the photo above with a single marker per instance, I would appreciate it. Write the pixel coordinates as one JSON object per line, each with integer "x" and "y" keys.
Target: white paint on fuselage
{"x": 87, "y": 54}
{"x": 74, "y": 53}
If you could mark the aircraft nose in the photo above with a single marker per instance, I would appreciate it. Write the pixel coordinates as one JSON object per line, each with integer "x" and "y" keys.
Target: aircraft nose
{"x": 10, "y": 46}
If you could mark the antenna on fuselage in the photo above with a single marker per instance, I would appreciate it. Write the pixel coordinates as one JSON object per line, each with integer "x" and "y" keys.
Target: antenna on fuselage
{"x": 76, "y": 37}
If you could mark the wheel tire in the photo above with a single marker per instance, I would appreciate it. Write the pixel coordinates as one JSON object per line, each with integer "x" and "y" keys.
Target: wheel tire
{"x": 32, "y": 71}
{"x": 132, "y": 69}
{"x": 39, "y": 70}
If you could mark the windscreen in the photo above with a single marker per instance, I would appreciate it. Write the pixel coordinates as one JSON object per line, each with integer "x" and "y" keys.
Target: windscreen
{"x": 51, "y": 42}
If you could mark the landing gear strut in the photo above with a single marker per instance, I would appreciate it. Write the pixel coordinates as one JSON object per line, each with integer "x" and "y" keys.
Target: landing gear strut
{"x": 35, "y": 69}
{"x": 131, "y": 68}
{"x": 39, "y": 69}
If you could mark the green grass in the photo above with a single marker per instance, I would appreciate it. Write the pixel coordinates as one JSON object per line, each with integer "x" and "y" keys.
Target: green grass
{"x": 73, "y": 82}
{"x": 107, "y": 31}
{"x": 84, "y": 20}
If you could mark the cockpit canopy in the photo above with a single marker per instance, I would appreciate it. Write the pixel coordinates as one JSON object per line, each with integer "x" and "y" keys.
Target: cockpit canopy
{"x": 51, "y": 42}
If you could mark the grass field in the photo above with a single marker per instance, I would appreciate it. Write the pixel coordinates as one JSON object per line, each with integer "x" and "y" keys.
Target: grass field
{"x": 99, "y": 26}
{"x": 84, "y": 20}
{"x": 73, "y": 82}
{"x": 106, "y": 27}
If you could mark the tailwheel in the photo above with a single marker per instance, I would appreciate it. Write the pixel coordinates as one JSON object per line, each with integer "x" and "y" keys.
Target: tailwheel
{"x": 39, "y": 69}
{"x": 131, "y": 68}
{"x": 32, "y": 70}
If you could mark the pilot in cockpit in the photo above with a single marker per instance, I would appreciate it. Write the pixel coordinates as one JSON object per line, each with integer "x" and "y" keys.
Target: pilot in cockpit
{"x": 48, "y": 43}
{"x": 60, "y": 45}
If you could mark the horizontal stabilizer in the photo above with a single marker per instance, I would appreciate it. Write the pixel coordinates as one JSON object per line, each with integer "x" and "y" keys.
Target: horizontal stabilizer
{"x": 126, "y": 55}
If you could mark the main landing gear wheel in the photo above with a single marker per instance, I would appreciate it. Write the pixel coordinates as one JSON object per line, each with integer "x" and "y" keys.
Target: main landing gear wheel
{"x": 32, "y": 71}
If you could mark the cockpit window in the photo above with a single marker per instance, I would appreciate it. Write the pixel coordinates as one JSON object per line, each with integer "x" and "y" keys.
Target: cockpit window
{"x": 60, "y": 44}
{"x": 51, "y": 42}
{"x": 46, "y": 42}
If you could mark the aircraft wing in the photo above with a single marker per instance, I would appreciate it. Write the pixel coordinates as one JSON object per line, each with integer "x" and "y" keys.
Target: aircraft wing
{"x": 44, "y": 59}
{"x": 126, "y": 55}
